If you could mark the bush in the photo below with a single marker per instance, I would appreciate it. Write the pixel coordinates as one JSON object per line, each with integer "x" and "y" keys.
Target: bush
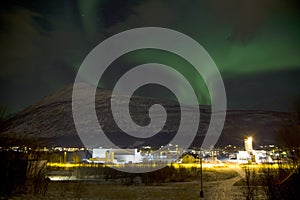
{"x": 21, "y": 174}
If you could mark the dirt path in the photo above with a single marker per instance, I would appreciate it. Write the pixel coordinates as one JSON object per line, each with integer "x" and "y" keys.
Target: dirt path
{"x": 223, "y": 190}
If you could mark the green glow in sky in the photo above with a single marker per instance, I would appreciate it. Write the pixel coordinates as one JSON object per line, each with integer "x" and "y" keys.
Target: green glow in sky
{"x": 276, "y": 46}
{"x": 253, "y": 43}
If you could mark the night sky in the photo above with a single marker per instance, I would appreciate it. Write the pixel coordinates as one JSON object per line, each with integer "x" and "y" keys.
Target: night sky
{"x": 255, "y": 44}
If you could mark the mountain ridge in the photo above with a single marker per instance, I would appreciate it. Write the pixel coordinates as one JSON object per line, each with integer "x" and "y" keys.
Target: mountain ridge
{"x": 49, "y": 122}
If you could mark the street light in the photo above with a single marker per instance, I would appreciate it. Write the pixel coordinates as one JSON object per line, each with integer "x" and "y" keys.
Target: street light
{"x": 65, "y": 157}
{"x": 201, "y": 180}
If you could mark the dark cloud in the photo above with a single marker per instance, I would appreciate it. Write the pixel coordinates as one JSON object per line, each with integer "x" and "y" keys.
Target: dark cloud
{"x": 247, "y": 17}
{"x": 18, "y": 40}
{"x": 154, "y": 13}
{"x": 113, "y": 12}
{"x": 38, "y": 56}
{"x": 250, "y": 17}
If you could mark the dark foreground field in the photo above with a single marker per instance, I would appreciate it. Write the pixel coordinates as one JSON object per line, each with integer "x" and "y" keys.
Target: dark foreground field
{"x": 227, "y": 182}
{"x": 214, "y": 179}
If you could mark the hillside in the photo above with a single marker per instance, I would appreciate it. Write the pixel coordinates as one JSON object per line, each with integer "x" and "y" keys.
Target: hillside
{"x": 49, "y": 122}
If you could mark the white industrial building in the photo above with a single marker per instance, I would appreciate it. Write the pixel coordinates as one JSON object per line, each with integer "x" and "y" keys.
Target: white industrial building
{"x": 120, "y": 156}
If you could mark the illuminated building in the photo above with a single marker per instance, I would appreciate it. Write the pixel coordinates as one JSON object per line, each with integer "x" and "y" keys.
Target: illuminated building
{"x": 116, "y": 156}
{"x": 248, "y": 144}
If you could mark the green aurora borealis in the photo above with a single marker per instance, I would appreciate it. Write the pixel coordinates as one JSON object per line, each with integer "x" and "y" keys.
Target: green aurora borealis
{"x": 255, "y": 44}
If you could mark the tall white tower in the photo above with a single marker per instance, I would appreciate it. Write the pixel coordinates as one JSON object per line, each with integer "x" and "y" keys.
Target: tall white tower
{"x": 248, "y": 144}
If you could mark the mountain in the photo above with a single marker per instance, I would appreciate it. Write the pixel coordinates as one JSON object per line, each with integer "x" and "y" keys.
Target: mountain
{"x": 49, "y": 122}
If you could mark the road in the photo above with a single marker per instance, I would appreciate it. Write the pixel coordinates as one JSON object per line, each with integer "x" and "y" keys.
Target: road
{"x": 224, "y": 190}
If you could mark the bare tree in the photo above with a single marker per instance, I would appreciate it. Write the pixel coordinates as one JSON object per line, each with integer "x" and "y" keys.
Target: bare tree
{"x": 251, "y": 181}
